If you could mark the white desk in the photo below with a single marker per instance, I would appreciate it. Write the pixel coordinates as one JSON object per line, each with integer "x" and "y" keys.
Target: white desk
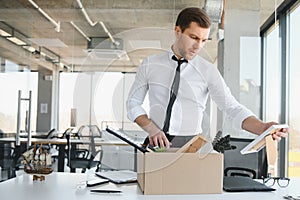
{"x": 98, "y": 141}
{"x": 63, "y": 186}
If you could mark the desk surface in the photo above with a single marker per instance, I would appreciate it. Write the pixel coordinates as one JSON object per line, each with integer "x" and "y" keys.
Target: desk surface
{"x": 98, "y": 141}
{"x": 64, "y": 186}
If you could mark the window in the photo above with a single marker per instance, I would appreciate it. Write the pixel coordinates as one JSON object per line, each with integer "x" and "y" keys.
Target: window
{"x": 11, "y": 81}
{"x": 293, "y": 93}
{"x": 99, "y": 98}
{"x": 272, "y": 77}
{"x": 281, "y": 81}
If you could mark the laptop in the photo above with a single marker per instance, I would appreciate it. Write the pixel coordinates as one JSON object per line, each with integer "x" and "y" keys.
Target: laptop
{"x": 243, "y": 184}
{"x": 118, "y": 177}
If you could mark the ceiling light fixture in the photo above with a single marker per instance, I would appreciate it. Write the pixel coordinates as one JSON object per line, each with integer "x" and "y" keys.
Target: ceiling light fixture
{"x": 16, "y": 41}
{"x": 12, "y": 34}
{"x": 56, "y": 24}
{"x": 5, "y": 29}
{"x": 80, "y": 31}
{"x": 4, "y": 33}
{"x": 85, "y": 14}
{"x": 29, "y": 48}
{"x": 19, "y": 39}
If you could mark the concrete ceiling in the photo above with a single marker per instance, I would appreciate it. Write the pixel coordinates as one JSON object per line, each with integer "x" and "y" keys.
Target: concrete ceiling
{"x": 143, "y": 26}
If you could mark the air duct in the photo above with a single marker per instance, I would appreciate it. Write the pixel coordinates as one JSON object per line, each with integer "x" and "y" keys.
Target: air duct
{"x": 87, "y": 17}
{"x": 85, "y": 14}
{"x": 214, "y": 9}
{"x": 56, "y": 24}
{"x": 104, "y": 43}
{"x": 104, "y": 48}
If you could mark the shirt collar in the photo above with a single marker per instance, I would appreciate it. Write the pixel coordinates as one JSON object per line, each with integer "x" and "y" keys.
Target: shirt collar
{"x": 170, "y": 54}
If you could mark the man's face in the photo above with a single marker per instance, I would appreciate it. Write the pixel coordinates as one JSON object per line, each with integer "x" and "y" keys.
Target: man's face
{"x": 191, "y": 40}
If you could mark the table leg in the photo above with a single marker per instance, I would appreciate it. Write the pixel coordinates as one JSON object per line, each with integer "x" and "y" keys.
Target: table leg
{"x": 135, "y": 160}
{"x": 72, "y": 155}
{"x": 61, "y": 158}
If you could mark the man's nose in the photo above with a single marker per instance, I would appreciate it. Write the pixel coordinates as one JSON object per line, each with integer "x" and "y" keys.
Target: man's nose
{"x": 198, "y": 45}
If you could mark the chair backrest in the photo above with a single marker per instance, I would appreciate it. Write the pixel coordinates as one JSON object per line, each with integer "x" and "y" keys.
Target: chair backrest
{"x": 68, "y": 131}
{"x": 82, "y": 155}
{"x": 89, "y": 132}
{"x": 240, "y": 171}
{"x": 254, "y": 161}
{"x": 7, "y": 152}
{"x": 50, "y": 133}
{"x": 7, "y": 156}
{"x": 8, "y": 161}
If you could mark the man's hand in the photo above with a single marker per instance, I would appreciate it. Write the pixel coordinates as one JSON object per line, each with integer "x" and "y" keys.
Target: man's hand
{"x": 156, "y": 136}
{"x": 159, "y": 139}
{"x": 282, "y": 133}
{"x": 256, "y": 126}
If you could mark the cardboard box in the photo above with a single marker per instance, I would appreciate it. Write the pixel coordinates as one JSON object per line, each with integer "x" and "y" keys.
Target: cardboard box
{"x": 174, "y": 172}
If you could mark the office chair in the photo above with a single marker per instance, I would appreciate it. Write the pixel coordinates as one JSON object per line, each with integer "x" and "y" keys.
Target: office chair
{"x": 253, "y": 165}
{"x": 49, "y": 135}
{"x": 239, "y": 171}
{"x": 84, "y": 156}
{"x": 68, "y": 131}
{"x": 7, "y": 161}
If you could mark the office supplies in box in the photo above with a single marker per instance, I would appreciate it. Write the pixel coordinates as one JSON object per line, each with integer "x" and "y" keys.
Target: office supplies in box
{"x": 177, "y": 172}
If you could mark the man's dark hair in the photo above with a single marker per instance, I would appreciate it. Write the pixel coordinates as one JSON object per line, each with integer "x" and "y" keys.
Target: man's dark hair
{"x": 192, "y": 14}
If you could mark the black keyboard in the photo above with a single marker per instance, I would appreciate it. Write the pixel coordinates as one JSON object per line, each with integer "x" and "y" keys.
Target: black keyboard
{"x": 126, "y": 139}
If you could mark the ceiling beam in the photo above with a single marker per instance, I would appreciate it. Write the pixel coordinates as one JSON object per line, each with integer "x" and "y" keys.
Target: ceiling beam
{"x": 21, "y": 56}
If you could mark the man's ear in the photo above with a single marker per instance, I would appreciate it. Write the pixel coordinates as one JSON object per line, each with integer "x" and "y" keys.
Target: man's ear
{"x": 177, "y": 30}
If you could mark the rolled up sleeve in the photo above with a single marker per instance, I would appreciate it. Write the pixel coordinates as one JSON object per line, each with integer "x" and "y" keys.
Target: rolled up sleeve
{"x": 238, "y": 118}
{"x": 220, "y": 93}
{"x": 134, "y": 110}
{"x": 137, "y": 94}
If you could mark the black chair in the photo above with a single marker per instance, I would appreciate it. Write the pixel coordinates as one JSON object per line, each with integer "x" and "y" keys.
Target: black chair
{"x": 84, "y": 156}
{"x": 240, "y": 171}
{"x": 68, "y": 131}
{"x": 8, "y": 161}
{"x": 49, "y": 135}
{"x": 253, "y": 165}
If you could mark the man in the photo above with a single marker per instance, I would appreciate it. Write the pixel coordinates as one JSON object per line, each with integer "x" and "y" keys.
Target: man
{"x": 158, "y": 75}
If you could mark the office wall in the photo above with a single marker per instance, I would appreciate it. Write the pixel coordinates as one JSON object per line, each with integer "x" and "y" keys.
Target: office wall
{"x": 44, "y": 101}
{"x": 240, "y": 22}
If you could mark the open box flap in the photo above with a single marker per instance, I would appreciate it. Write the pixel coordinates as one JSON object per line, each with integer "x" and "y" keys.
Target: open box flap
{"x": 193, "y": 145}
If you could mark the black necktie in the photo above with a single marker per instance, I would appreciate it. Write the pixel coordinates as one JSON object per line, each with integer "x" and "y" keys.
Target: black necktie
{"x": 173, "y": 93}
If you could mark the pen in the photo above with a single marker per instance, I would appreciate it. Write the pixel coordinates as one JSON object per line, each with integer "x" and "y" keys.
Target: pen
{"x": 106, "y": 191}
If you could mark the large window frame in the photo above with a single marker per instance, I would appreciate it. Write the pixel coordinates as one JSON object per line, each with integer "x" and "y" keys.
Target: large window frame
{"x": 280, "y": 16}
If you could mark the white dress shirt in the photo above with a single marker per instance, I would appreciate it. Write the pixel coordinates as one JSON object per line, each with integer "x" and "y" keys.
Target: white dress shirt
{"x": 198, "y": 79}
